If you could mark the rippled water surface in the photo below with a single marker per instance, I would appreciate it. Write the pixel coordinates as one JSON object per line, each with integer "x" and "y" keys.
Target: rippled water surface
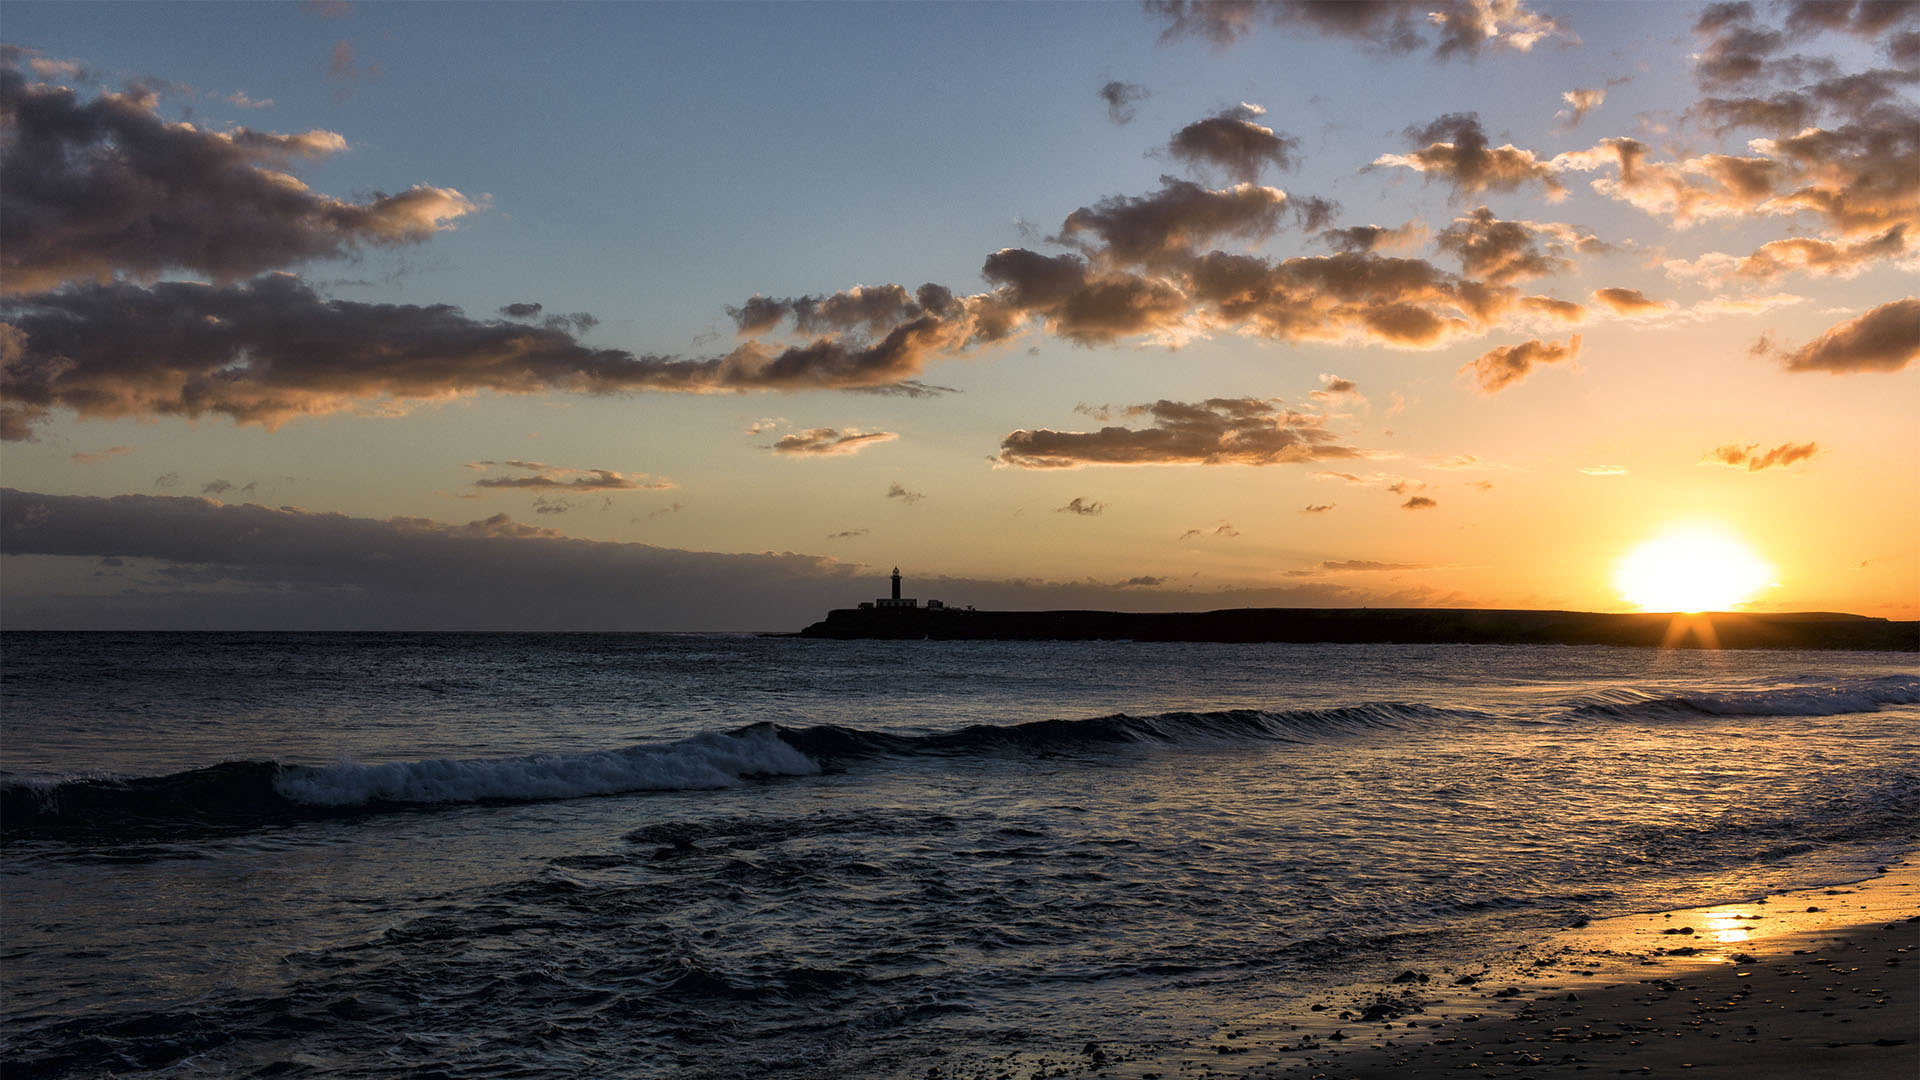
{"x": 660, "y": 855}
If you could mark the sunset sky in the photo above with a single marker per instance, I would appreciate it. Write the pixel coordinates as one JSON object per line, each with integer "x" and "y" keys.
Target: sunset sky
{"x": 705, "y": 316}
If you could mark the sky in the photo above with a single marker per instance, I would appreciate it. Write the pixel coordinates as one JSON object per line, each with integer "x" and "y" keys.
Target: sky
{"x": 625, "y": 316}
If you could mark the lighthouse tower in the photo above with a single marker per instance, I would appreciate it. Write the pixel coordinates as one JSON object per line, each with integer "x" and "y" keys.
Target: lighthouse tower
{"x": 896, "y": 583}
{"x": 895, "y": 601}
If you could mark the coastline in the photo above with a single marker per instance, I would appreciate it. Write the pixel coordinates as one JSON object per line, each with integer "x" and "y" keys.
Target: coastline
{"x": 1814, "y": 982}
{"x": 905, "y": 620}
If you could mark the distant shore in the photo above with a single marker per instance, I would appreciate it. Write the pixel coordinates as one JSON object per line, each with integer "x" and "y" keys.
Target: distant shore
{"x": 1423, "y": 626}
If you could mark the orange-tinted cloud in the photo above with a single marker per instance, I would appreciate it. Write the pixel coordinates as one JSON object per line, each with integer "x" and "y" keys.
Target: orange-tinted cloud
{"x": 1579, "y": 104}
{"x": 1419, "y": 502}
{"x": 101, "y": 186}
{"x": 828, "y": 442}
{"x": 1457, "y": 151}
{"x": 1168, "y": 225}
{"x": 1750, "y": 458}
{"x": 1218, "y": 431}
{"x": 1081, "y": 507}
{"x": 1886, "y": 338}
{"x": 1629, "y": 302}
{"x": 1502, "y": 252}
{"x": 1500, "y": 368}
{"x": 560, "y": 479}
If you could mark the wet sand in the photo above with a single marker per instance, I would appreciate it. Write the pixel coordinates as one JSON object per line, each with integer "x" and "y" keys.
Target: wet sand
{"x": 1818, "y": 983}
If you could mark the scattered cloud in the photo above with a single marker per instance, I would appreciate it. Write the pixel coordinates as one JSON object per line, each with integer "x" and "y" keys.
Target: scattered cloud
{"x": 216, "y": 487}
{"x": 1750, "y": 458}
{"x": 1457, "y": 151}
{"x": 555, "y": 478}
{"x": 1223, "y": 531}
{"x": 102, "y": 185}
{"x": 1368, "y": 565}
{"x": 1419, "y": 502}
{"x": 1218, "y": 431}
{"x": 1886, "y": 338}
{"x": 1630, "y": 302}
{"x": 1233, "y": 142}
{"x": 1081, "y": 507}
{"x": 1604, "y": 470}
{"x": 1121, "y": 99}
{"x": 909, "y": 497}
{"x": 1318, "y": 508}
{"x": 828, "y": 442}
{"x": 1369, "y": 238}
{"x": 1500, "y": 368}
{"x": 847, "y": 535}
{"x": 1579, "y": 104}
{"x": 1507, "y": 251}
{"x": 94, "y": 457}
{"x": 1451, "y": 28}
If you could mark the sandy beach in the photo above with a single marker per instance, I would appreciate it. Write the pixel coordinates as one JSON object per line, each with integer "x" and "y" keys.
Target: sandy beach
{"x": 1816, "y": 983}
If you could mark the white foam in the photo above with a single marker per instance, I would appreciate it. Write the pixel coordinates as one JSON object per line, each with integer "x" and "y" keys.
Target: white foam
{"x": 705, "y": 761}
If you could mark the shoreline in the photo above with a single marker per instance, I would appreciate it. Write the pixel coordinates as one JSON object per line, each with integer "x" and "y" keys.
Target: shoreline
{"x": 1821, "y": 982}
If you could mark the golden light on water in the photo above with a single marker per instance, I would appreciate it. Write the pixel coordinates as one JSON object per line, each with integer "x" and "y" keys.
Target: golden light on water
{"x": 1691, "y": 568}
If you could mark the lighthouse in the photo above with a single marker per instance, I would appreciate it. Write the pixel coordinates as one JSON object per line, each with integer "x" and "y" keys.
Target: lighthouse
{"x": 896, "y": 583}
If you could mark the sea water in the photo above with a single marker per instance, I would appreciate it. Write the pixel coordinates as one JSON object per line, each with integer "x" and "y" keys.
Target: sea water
{"x": 714, "y": 856}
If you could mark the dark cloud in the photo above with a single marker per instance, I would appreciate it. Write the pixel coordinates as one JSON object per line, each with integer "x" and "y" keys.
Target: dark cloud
{"x": 1450, "y": 27}
{"x": 874, "y": 308}
{"x": 1121, "y": 97}
{"x": 1369, "y": 238}
{"x": 1886, "y": 338}
{"x": 1318, "y": 508}
{"x": 847, "y": 535}
{"x": 1223, "y": 531}
{"x": 521, "y": 311}
{"x": 1456, "y": 150}
{"x": 272, "y": 349}
{"x": 1752, "y": 459}
{"x": 102, "y": 186}
{"x": 166, "y": 480}
{"x": 896, "y": 491}
{"x": 1168, "y": 225}
{"x": 820, "y": 442}
{"x": 1419, "y": 502}
{"x": 557, "y": 478}
{"x": 1218, "y": 431}
{"x": 1501, "y": 251}
{"x": 1234, "y": 143}
{"x": 1500, "y": 368}
{"x": 1313, "y": 212}
{"x": 1081, "y": 507}
{"x": 216, "y": 487}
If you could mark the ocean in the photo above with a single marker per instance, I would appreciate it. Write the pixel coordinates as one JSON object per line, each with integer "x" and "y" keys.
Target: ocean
{"x": 655, "y": 855}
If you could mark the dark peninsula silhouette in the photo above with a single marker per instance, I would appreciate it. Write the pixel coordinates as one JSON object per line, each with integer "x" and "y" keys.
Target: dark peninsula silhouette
{"x": 1430, "y": 626}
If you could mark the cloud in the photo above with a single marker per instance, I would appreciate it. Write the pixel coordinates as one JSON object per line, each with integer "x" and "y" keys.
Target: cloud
{"x": 1886, "y": 338}
{"x": 1630, "y": 302}
{"x": 1579, "y": 104}
{"x": 1121, "y": 97}
{"x": 1604, "y": 470}
{"x": 1164, "y": 227}
{"x": 1457, "y": 27}
{"x": 673, "y": 508}
{"x": 1500, "y": 368}
{"x": 1457, "y": 151}
{"x": 240, "y": 99}
{"x": 1419, "y": 502}
{"x": 101, "y": 186}
{"x": 1318, "y": 508}
{"x": 166, "y": 480}
{"x": 556, "y": 478}
{"x": 1081, "y": 507}
{"x": 1224, "y": 531}
{"x": 1234, "y": 143}
{"x": 1507, "y": 251}
{"x": 847, "y": 535}
{"x": 94, "y": 457}
{"x": 1218, "y": 431}
{"x": 1736, "y": 456}
{"x": 217, "y": 487}
{"x": 1366, "y": 238}
{"x": 270, "y": 350}
{"x": 909, "y": 497}
{"x": 1333, "y": 388}
{"x": 822, "y": 442}
{"x": 521, "y": 311}
{"x": 1368, "y": 565}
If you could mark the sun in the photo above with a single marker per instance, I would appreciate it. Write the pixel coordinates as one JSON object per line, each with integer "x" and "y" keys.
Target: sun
{"x": 1691, "y": 568}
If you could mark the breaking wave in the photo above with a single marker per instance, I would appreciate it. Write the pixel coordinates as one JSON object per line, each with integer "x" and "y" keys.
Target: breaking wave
{"x": 1816, "y": 700}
